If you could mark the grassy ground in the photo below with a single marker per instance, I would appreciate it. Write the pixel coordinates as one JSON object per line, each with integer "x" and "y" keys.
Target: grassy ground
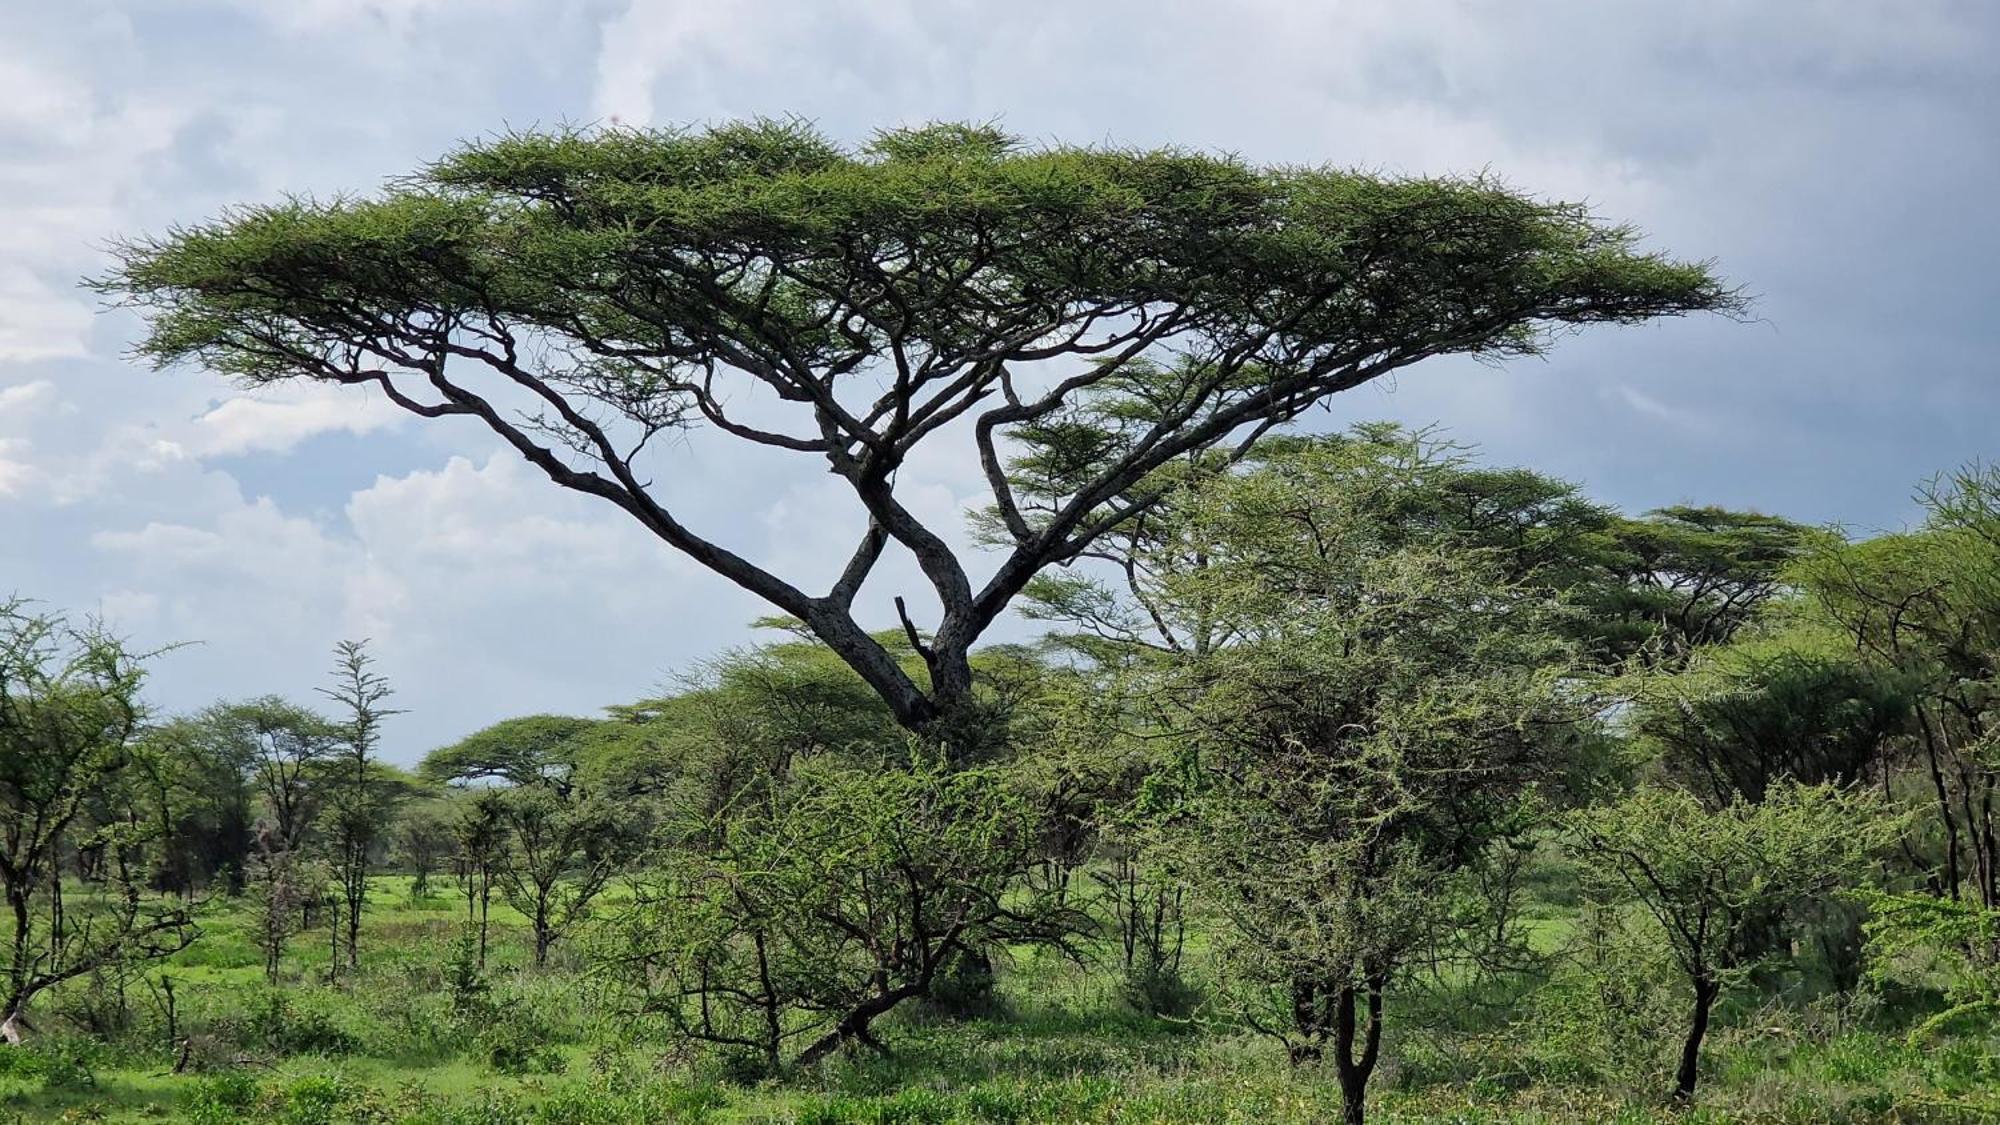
{"x": 555, "y": 1046}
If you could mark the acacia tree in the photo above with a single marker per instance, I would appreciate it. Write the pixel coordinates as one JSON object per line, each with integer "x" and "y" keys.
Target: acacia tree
{"x": 276, "y": 881}
{"x": 479, "y": 836}
{"x": 563, "y": 854}
{"x": 286, "y": 747}
{"x": 830, "y": 901}
{"x": 1923, "y": 608}
{"x": 581, "y": 292}
{"x": 1747, "y": 715}
{"x": 423, "y": 840}
{"x": 1375, "y": 712}
{"x": 1709, "y": 876}
{"x": 1687, "y": 578}
{"x": 69, "y": 711}
{"x": 1409, "y": 489}
{"x": 531, "y": 750}
{"x": 359, "y": 802}
{"x": 202, "y": 787}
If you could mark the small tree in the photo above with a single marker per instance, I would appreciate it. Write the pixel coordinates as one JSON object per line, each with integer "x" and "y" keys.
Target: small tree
{"x": 1149, "y": 921}
{"x": 561, "y": 854}
{"x": 479, "y": 837}
{"x": 1708, "y": 875}
{"x": 287, "y": 747}
{"x": 423, "y": 840}
{"x": 845, "y": 893}
{"x": 69, "y": 710}
{"x": 1358, "y": 697}
{"x": 358, "y": 803}
{"x": 276, "y": 883}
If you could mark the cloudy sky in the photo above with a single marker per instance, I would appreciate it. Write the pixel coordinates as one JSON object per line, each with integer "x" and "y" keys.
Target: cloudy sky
{"x": 1837, "y": 159}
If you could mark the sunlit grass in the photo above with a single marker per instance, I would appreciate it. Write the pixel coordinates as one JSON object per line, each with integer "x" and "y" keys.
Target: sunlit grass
{"x": 383, "y": 1045}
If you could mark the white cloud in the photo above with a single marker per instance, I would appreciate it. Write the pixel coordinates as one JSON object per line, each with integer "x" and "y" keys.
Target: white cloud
{"x": 129, "y": 609}
{"x": 23, "y": 396}
{"x": 36, "y": 322}
{"x": 39, "y": 104}
{"x": 276, "y": 419}
{"x": 306, "y": 16}
{"x": 651, "y": 39}
{"x": 16, "y": 473}
{"x": 452, "y": 572}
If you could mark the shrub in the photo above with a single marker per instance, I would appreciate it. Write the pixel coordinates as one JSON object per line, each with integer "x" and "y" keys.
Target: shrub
{"x": 289, "y": 1030}
{"x": 220, "y": 1099}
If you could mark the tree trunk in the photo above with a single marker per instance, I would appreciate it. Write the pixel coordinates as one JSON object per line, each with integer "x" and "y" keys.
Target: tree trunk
{"x": 357, "y": 895}
{"x": 485, "y": 913}
{"x": 14, "y": 1028}
{"x": 1705, "y": 990}
{"x": 854, "y": 1025}
{"x": 774, "y": 1027}
{"x": 1355, "y": 1070}
{"x": 333, "y": 940}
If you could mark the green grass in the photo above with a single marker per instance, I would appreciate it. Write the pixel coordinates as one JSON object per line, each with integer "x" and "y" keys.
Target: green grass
{"x": 383, "y": 1045}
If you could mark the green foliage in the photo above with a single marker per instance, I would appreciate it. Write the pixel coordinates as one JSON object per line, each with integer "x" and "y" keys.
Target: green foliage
{"x": 515, "y": 1044}
{"x": 1302, "y": 762}
{"x": 61, "y": 1063}
{"x": 830, "y": 901}
{"x": 1097, "y": 221}
{"x": 1373, "y": 722}
{"x": 1752, "y": 713}
{"x": 532, "y": 750}
{"x": 358, "y": 801}
{"x": 69, "y": 716}
{"x": 282, "y": 1025}
{"x": 285, "y": 749}
{"x": 560, "y": 854}
{"x": 1709, "y": 877}
{"x": 1922, "y": 608}
{"x": 1952, "y": 943}
{"x": 220, "y": 1099}
{"x": 1705, "y": 873}
{"x": 1687, "y": 577}
{"x": 465, "y": 978}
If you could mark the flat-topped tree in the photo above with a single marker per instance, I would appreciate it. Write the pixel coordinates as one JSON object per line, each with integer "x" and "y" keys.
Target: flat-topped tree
{"x": 582, "y": 291}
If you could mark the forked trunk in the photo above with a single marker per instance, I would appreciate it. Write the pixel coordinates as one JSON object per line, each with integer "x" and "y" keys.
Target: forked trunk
{"x": 1355, "y": 1068}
